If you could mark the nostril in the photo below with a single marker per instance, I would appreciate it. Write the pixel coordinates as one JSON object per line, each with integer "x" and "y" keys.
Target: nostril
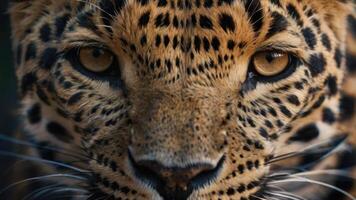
{"x": 175, "y": 177}
{"x": 173, "y": 182}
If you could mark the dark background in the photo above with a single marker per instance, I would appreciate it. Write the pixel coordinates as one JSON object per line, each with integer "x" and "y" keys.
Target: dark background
{"x": 7, "y": 74}
{"x": 8, "y": 95}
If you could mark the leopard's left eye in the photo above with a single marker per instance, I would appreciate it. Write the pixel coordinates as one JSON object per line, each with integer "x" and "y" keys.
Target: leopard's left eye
{"x": 270, "y": 63}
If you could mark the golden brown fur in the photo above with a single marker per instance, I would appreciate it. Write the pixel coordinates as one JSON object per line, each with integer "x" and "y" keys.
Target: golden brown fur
{"x": 186, "y": 101}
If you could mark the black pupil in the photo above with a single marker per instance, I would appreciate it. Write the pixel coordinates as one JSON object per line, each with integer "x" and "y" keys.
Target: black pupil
{"x": 270, "y": 57}
{"x": 97, "y": 53}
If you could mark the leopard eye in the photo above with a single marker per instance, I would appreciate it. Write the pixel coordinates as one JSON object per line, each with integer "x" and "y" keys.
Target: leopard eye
{"x": 270, "y": 63}
{"x": 96, "y": 59}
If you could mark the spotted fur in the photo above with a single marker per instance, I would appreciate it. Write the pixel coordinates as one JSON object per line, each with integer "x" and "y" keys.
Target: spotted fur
{"x": 186, "y": 96}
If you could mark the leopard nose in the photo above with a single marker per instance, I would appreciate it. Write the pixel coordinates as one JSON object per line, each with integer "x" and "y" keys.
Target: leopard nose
{"x": 175, "y": 181}
{"x": 174, "y": 177}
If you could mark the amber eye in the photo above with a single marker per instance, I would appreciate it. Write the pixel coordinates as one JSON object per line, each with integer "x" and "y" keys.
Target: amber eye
{"x": 95, "y": 59}
{"x": 270, "y": 63}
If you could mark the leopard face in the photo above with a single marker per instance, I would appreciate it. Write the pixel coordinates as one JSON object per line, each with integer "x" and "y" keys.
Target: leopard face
{"x": 179, "y": 99}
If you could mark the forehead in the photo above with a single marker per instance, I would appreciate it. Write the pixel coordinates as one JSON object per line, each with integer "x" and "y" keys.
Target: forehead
{"x": 235, "y": 20}
{"x": 175, "y": 38}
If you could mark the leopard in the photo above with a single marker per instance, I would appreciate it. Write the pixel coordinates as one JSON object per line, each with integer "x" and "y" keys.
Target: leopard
{"x": 185, "y": 99}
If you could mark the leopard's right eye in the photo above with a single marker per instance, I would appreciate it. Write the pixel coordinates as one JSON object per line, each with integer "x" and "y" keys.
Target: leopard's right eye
{"x": 95, "y": 62}
{"x": 95, "y": 59}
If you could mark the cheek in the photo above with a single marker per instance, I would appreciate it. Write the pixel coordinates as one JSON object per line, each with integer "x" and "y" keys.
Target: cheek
{"x": 83, "y": 103}
{"x": 74, "y": 90}
{"x": 272, "y": 105}
{"x": 46, "y": 122}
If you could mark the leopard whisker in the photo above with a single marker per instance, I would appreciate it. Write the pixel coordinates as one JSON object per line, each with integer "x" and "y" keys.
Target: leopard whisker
{"x": 320, "y": 183}
{"x": 282, "y": 195}
{"x": 278, "y": 175}
{"x": 293, "y": 195}
{"x": 283, "y": 191}
{"x": 28, "y": 196}
{"x": 49, "y": 191}
{"x": 324, "y": 146}
{"x": 259, "y": 19}
{"x": 39, "y": 192}
{"x": 304, "y": 174}
{"x": 257, "y": 197}
{"x": 340, "y": 173}
{"x": 105, "y": 26}
{"x": 74, "y": 197}
{"x": 330, "y": 172}
{"x": 38, "y": 178}
{"x": 40, "y": 160}
{"x": 93, "y": 195}
{"x": 30, "y": 144}
{"x": 272, "y": 198}
{"x": 97, "y": 7}
{"x": 66, "y": 189}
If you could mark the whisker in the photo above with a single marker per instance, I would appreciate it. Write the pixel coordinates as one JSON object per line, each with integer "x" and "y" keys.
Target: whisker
{"x": 303, "y": 174}
{"x": 257, "y": 197}
{"x": 326, "y": 172}
{"x": 293, "y": 195}
{"x": 28, "y": 196}
{"x": 259, "y": 19}
{"x": 305, "y": 180}
{"x": 282, "y": 191}
{"x": 97, "y": 7}
{"x": 272, "y": 198}
{"x": 40, "y": 160}
{"x": 69, "y": 189}
{"x": 50, "y": 191}
{"x": 278, "y": 175}
{"x": 41, "y": 192}
{"x": 41, "y": 178}
{"x": 76, "y": 197}
{"x": 29, "y": 144}
{"x": 282, "y": 195}
{"x": 330, "y": 144}
{"x": 105, "y": 26}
